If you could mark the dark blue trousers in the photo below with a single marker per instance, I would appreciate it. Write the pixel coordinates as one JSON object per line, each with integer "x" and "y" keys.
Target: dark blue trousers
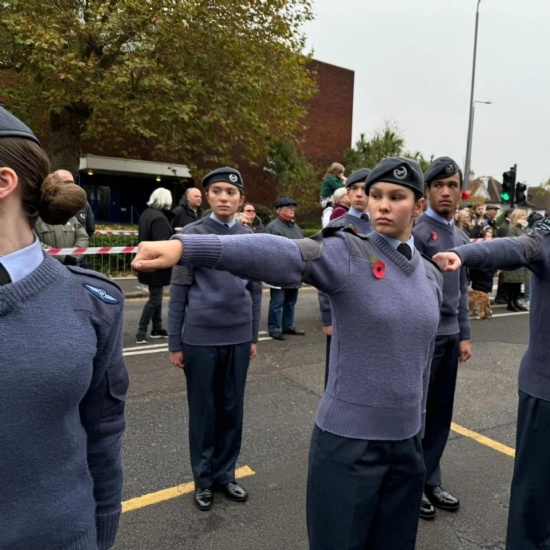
{"x": 363, "y": 495}
{"x": 529, "y": 514}
{"x": 439, "y": 406}
{"x": 281, "y": 309}
{"x": 216, "y": 379}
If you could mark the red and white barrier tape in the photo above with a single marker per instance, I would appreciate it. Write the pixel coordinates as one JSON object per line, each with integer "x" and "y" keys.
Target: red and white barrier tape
{"x": 93, "y": 250}
{"x": 125, "y": 249}
{"x": 106, "y": 232}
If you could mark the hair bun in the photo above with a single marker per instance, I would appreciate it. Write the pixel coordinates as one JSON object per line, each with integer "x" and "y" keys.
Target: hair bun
{"x": 60, "y": 201}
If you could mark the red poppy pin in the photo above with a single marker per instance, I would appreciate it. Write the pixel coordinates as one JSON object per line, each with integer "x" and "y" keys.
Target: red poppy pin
{"x": 353, "y": 228}
{"x": 378, "y": 267}
{"x": 434, "y": 236}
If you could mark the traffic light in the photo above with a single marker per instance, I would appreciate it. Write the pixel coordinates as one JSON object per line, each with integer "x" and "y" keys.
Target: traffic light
{"x": 508, "y": 185}
{"x": 521, "y": 194}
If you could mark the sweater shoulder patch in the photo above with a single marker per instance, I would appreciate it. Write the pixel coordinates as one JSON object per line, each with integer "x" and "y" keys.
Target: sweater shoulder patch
{"x": 92, "y": 284}
{"x": 101, "y": 293}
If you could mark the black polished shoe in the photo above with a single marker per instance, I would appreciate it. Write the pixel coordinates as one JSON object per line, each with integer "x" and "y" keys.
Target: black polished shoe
{"x": 203, "y": 499}
{"x": 442, "y": 499}
{"x": 427, "y": 511}
{"x": 277, "y": 336}
{"x": 294, "y": 332}
{"x": 512, "y": 307}
{"x": 234, "y": 491}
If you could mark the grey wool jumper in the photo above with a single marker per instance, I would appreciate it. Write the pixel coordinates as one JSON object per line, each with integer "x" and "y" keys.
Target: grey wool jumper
{"x": 383, "y": 328}
{"x": 62, "y": 389}
{"x": 430, "y": 237}
{"x": 532, "y": 252}
{"x": 212, "y": 308}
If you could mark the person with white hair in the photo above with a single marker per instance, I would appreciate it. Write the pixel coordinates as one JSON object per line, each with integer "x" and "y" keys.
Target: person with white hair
{"x": 154, "y": 225}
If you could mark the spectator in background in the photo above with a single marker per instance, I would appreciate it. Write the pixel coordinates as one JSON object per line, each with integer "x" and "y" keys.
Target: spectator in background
{"x": 491, "y": 211}
{"x": 504, "y": 227}
{"x": 243, "y": 219}
{"x": 189, "y": 209}
{"x": 512, "y": 280}
{"x": 154, "y": 225}
{"x": 280, "y": 320}
{"x": 84, "y": 216}
{"x": 334, "y": 179}
{"x": 69, "y": 235}
{"x": 463, "y": 221}
{"x": 340, "y": 203}
{"x": 250, "y": 211}
{"x": 476, "y": 213}
{"x": 482, "y": 278}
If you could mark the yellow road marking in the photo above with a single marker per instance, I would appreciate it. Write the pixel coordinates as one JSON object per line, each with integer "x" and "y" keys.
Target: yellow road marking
{"x": 172, "y": 492}
{"x": 483, "y": 440}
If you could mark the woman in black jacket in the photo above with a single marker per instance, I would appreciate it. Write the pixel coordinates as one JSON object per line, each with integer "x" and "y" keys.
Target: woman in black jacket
{"x": 154, "y": 225}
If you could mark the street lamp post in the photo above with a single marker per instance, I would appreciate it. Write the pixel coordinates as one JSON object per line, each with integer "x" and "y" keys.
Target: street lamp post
{"x": 471, "y": 121}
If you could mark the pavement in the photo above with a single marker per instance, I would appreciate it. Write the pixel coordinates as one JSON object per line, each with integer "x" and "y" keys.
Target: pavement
{"x": 285, "y": 384}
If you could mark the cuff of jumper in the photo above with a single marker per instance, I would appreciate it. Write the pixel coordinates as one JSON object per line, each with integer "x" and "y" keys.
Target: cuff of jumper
{"x": 174, "y": 342}
{"x": 465, "y": 332}
{"x": 200, "y": 250}
{"x": 106, "y": 527}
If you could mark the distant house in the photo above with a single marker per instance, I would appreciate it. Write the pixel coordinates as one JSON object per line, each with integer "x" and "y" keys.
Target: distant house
{"x": 485, "y": 190}
{"x": 538, "y": 198}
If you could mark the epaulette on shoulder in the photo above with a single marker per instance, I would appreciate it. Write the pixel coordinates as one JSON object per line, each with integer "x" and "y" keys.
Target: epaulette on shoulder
{"x": 93, "y": 284}
{"x": 429, "y": 260}
{"x": 542, "y": 227}
{"x": 329, "y": 231}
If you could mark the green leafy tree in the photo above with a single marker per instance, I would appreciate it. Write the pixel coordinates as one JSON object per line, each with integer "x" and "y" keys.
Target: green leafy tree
{"x": 386, "y": 142}
{"x": 294, "y": 175}
{"x": 198, "y": 78}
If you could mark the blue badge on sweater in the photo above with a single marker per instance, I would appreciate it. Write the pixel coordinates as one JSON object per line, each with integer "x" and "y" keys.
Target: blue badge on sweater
{"x": 102, "y": 294}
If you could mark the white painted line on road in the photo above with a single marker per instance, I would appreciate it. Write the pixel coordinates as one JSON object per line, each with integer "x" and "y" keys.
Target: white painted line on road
{"x": 146, "y": 346}
{"x": 160, "y": 348}
{"x": 512, "y": 313}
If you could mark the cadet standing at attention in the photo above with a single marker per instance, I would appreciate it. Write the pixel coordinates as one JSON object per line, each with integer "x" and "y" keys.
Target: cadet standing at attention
{"x": 435, "y": 231}
{"x": 213, "y": 325}
{"x": 366, "y": 471}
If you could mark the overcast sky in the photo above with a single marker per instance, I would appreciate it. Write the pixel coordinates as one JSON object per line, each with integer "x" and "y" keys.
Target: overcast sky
{"x": 413, "y": 63}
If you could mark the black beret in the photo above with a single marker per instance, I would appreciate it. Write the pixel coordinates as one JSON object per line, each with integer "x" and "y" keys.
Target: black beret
{"x": 358, "y": 176}
{"x": 225, "y": 175}
{"x": 398, "y": 170}
{"x": 441, "y": 168}
{"x": 11, "y": 126}
{"x": 280, "y": 203}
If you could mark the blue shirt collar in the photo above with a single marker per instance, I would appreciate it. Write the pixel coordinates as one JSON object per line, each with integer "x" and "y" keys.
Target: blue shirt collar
{"x": 216, "y": 219}
{"x": 396, "y": 242}
{"x": 439, "y": 218}
{"x": 23, "y": 262}
{"x": 357, "y": 213}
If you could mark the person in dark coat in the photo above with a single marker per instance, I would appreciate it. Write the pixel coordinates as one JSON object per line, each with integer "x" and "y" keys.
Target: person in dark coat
{"x": 189, "y": 209}
{"x": 154, "y": 225}
{"x": 250, "y": 211}
{"x": 482, "y": 279}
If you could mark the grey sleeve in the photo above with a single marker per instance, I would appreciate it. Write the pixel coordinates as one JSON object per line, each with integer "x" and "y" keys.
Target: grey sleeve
{"x": 326, "y": 310}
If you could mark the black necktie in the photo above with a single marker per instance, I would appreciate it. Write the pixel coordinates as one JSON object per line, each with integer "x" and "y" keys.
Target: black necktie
{"x": 365, "y": 217}
{"x": 405, "y": 249}
{"x": 4, "y": 276}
